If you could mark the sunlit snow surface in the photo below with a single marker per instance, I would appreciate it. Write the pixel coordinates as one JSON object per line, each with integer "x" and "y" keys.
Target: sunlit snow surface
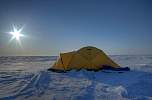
{"x": 27, "y": 78}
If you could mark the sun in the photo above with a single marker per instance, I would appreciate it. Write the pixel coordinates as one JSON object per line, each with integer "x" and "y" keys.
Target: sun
{"x": 16, "y": 33}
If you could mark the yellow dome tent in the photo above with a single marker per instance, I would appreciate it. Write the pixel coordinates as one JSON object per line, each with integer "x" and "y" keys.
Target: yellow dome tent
{"x": 90, "y": 58}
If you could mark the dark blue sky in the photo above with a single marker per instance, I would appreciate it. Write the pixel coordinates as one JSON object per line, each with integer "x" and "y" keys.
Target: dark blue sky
{"x": 53, "y": 26}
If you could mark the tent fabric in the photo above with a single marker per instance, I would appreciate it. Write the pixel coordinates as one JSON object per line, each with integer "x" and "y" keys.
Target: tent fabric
{"x": 85, "y": 58}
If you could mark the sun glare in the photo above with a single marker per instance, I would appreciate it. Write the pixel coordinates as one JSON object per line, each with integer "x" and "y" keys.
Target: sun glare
{"x": 16, "y": 33}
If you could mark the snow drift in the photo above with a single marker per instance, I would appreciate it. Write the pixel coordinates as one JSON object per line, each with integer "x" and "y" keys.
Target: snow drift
{"x": 27, "y": 78}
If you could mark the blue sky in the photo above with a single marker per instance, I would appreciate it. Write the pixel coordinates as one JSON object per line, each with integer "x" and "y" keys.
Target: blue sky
{"x": 53, "y": 26}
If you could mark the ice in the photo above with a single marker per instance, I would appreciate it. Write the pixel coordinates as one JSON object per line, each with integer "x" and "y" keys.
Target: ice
{"x": 27, "y": 78}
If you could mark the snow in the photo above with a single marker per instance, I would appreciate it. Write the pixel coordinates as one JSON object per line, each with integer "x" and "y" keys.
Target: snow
{"x": 27, "y": 78}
